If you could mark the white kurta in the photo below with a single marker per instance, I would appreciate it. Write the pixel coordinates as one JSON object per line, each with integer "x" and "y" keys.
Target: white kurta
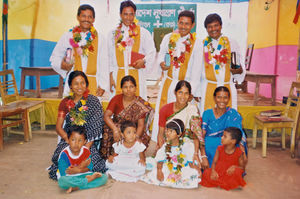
{"x": 147, "y": 48}
{"x": 221, "y": 76}
{"x": 188, "y": 178}
{"x": 59, "y": 52}
{"x": 126, "y": 167}
{"x": 192, "y": 75}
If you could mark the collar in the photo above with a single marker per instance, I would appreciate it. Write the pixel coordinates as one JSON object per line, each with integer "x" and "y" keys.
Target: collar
{"x": 185, "y": 37}
{"x": 218, "y": 38}
{"x": 124, "y": 27}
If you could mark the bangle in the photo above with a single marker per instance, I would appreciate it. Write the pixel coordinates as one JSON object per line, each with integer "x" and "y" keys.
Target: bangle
{"x": 203, "y": 156}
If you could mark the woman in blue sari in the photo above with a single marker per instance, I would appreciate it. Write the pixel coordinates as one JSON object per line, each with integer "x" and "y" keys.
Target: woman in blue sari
{"x": 216, "y": 120}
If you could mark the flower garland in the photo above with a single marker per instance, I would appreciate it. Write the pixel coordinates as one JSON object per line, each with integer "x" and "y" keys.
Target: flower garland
{"x": 121, "y": 42}
{"x": 178, "y": 54}
{"x": 83, "y": 47}
{"x": 217, "y": 57}
{"x": 174, "y": 176}
{"x": 78, "y": 113}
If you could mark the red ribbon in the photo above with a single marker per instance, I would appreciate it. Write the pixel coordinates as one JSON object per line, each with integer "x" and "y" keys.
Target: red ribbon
{"x": 297, "y": 15}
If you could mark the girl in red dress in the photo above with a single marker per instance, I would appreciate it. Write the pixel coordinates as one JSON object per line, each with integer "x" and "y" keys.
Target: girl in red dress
{"x": 227, "y": 167}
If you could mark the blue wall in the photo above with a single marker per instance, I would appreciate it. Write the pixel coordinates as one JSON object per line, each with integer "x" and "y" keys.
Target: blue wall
{"x": 30, "y": 53}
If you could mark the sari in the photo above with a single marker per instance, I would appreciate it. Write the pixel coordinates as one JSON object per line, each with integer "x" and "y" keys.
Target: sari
{"x": 138, "y": 109}
{"x": 93, "y": 127}
{"x": 215, "y": 128}
{"x": 192, "y": 121}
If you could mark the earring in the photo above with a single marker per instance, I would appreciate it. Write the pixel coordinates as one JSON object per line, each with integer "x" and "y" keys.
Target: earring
{"x": 71, "y": 93}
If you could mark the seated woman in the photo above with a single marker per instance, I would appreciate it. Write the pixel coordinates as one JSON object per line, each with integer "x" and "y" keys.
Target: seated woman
{"x": 216, "y": 120}
{"x": 185, "y": 111}
{"x": 81, "y": 109}
{"x": 126, "y": 106}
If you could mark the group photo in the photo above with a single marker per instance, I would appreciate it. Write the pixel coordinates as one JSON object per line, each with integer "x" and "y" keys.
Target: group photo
{"x": 150, "y": 99}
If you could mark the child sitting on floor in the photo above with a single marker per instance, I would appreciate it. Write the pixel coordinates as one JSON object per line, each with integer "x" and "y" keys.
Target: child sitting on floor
{"x": 127, "y": 163}
{"x": 74, "y": 164}
{"x": 227, "y": 167}
{"x": 175, "y": 167}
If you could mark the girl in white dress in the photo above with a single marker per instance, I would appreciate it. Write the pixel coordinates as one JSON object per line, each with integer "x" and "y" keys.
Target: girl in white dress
{"x": 127, "y": 163}
{"x": 175, "y": 167}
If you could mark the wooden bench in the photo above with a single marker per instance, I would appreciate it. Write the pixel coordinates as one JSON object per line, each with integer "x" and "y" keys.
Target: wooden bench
{"x": 38, "y": 72}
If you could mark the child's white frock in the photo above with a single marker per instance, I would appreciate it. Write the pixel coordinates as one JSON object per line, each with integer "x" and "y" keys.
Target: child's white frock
{"x": 125, "y": 166}
{"x": 189, "y": 176}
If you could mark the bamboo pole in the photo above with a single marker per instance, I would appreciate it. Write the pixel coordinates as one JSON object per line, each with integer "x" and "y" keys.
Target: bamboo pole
{"x": 4, "y": 44}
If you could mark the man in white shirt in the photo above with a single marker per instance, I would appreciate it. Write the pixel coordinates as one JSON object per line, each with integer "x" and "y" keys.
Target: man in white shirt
{"x": 124, "y": 43}
{"x": 86, "y": 52}
{"x": 184, "y": 50}
{"x": 216, "y": 64}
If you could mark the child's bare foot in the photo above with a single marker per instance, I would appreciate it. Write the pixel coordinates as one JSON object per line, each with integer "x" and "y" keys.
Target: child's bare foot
{"x": 94, "y": 176}
{"x": 72, "y": 189}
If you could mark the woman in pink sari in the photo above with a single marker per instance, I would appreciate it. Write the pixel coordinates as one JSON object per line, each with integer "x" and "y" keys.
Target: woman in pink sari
{"x": 126, "y": 106}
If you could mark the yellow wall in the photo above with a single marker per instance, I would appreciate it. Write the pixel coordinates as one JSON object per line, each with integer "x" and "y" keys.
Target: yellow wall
{"x": 20, "y": 19}
{"x": 40, "y": 19}
{"x": 288, "y": 32}
{"x": 262, "y": 24}
{"x": 56, "y": 18}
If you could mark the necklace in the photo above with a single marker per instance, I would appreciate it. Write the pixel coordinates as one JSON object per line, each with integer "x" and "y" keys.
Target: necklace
{"x": 78, "y": 112}
{"x": 178, "y": 54}
{"x": 217, "y": 57}
{"x": 176, "y": 160}
{"x": 83, "y": 47}
{"x": 121, "y": 42}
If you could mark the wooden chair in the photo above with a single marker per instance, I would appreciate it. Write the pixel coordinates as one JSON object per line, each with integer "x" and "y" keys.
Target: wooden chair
{"x": 283, "y": 122}
{"x": 248, "y": 56}
{"x": 243, "y": 86}
{"x": 8, "y": 83}
{"x": 5, "y": 115}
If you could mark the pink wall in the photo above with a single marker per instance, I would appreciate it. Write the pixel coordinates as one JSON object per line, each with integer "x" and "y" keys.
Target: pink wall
{"x": 264, "y": 61}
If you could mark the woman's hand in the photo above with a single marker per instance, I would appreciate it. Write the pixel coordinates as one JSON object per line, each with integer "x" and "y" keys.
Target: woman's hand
{"x": 142, "y": 162}
{"x": 160, "y": 137}
{"x": 116, "y": 135}
{"x": 204, "y": 163}
{"x": 196, "y": 159}
{"x": 214, "y": 175}
{"x": 160, "y": 175}
{"x": 59, "y": 127}
{"x": 66, "y": 139}
{"x": 230, "y": 170}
